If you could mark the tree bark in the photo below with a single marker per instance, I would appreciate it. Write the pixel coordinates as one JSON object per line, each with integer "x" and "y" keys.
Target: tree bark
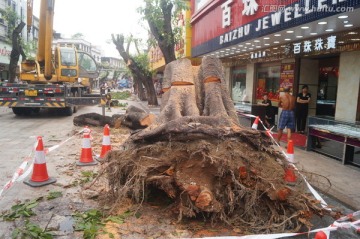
{"x": 142, "y": 75}
{"x": 15, "y": 52}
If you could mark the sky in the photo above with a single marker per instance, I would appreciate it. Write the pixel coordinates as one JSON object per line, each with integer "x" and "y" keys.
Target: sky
{"x": 97, "y": 20}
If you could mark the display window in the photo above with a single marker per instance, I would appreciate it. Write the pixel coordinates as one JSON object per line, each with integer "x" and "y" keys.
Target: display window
{"x": 268, "y": 82}
{"x": 238, "y": 79}
{"x": 327, "y": 91}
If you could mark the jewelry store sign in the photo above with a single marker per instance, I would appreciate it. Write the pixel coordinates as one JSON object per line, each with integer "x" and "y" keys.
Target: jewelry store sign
{"x": 295, "y": 13}
{"x": 309, "y": 46}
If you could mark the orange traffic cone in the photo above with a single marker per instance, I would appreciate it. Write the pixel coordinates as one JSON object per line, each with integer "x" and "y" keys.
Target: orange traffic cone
{"x": 290, "y": 177}
{"x": 39, "y": 176}
{"x": 256, "y": 123}
{"x": 86, "y": 158}
{"x": 320, "y": 235}
{"x": 106, "y": 145}
{"x": 290, "y": 152}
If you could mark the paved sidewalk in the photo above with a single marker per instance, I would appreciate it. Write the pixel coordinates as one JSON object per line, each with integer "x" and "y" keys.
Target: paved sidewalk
{"x": 344, "y": 180}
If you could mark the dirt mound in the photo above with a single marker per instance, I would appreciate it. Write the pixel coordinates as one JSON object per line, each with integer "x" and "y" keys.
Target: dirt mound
{"x": 222, "y": 179}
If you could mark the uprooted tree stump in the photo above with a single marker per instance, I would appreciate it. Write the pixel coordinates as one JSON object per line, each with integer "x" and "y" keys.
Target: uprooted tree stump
{"x": 206, "y": 162}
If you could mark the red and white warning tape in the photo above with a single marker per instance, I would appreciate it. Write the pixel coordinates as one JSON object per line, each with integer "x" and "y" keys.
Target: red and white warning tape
{"x": 20, "y": 174}
{"x": 335, "y": 226}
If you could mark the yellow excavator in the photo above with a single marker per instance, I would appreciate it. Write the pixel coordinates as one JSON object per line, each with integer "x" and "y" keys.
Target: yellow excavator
{"x": 57, "y": 78}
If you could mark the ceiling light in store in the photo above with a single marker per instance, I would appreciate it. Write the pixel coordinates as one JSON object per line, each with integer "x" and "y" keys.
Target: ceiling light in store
{"x": 276, "y": 42}
{"x": 240, "y": 45}
{"x": 329, "y": 30}
{"x": 256, "y": 41}
{"x": 346, "y": 22}
{"x": 341, "y": 42}
{"x": 258, "y": 46}
{"x": 290, "y": 31}
{"x": 234, "y": 48}
{"x": 251, "y": 48}
{"x": 348, "y": 25}
{"x": 222, "y": 51}
{"x": 343, "y": 16}
{"x": 275, "y": 48}
{"x": 243, "y": 50}
{"x": 267, "y": 44}
{"x": 322, "y": 23}
{"x": 299, "y": 36}
{"x": 248, "y": 43}
{"x": 352, "y": 33}
{"x": 277, "y": 35}
{"x": 266, "y": 38}
{"x": 313, "y": 33}
{"x": 355, "y": 39}
{"x": 287, "y": 39}
{"x": 227, "y": 49}
{"x": 304, "y": 27}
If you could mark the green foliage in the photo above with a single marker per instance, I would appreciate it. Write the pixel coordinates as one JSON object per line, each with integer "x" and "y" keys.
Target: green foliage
{"x": 53, "y": 195}
{"x": 31, "y": 231}
{"x": 86, "y": 176}
{"x": 29, "y": 48}
{"x": 92, "y": 223}
{"x": 77, "y": 35}
{"x": 123, "y": 95}
{"x": 12, "y": 19}
{"x": 21, "y": 210}
{"x": 143, "y": 62}
{"x": 154, "y": 12}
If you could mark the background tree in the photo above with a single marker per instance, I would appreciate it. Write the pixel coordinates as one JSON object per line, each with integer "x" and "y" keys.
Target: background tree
{"x": 14, "y": 38}
{"x": 77, "y": 35}
{"x": 162, "y": 17}
{"x": 16, "y": 51}
{"x": 138, "y": 66}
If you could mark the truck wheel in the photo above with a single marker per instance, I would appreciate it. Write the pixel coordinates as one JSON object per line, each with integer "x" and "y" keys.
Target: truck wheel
{"x": 18, "y": 111}
{"x": 68, "y": 111}
{"x": 35, "y": 110}
{"x": 21, "y": 111}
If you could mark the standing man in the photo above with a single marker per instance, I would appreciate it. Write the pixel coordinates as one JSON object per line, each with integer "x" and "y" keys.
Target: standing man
{"x": 302, "y": 108}
{"x": 287, "y": 116}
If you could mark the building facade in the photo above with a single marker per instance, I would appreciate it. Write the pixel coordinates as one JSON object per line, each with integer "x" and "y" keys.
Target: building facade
{"x": 19, "y": 7}
{"x": 266, "y": 45}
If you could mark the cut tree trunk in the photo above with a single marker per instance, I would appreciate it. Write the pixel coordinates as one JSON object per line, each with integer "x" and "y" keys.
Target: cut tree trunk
{"x": 16, "y": 52}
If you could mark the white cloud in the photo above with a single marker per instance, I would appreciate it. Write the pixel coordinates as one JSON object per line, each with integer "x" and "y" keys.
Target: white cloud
{"x": 97, "y": 20}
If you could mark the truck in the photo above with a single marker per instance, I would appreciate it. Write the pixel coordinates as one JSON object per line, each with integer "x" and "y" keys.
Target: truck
{"x": 58, "y": 78}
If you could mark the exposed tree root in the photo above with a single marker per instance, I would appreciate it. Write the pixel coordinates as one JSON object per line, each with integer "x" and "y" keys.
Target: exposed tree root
{"x": 225, "y": 178}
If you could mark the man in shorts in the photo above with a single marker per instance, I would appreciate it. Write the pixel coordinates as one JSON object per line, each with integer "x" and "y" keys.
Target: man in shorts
{"x": 287, "y": 116}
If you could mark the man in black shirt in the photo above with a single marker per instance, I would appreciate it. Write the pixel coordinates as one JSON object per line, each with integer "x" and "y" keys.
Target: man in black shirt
{"x": 302, "y": 108}
{"x": 268, "y": 111}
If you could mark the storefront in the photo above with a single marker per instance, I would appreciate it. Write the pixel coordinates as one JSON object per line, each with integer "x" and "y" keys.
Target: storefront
{"x": 5, "y": 51}
{"x": 267, "y": 45}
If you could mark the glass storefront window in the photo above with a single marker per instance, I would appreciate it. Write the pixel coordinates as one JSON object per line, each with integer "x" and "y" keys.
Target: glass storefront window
{"x": 327, "y": 91}
{"x": 200, "y": 3}
{"x": 238, "y": 79}
{"x": 268, "y": 81}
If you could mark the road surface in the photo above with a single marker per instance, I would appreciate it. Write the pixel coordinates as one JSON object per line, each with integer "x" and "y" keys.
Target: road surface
{"x": 17, "y": 138}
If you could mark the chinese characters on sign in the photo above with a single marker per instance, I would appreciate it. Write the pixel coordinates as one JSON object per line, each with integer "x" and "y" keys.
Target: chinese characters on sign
{"x": 287, "y": 76}
{"x": 317, "y": 45}
{"x": 226, "y": 15}
{"x": 250, "y": 7}
{"x": 260, "y": 54}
